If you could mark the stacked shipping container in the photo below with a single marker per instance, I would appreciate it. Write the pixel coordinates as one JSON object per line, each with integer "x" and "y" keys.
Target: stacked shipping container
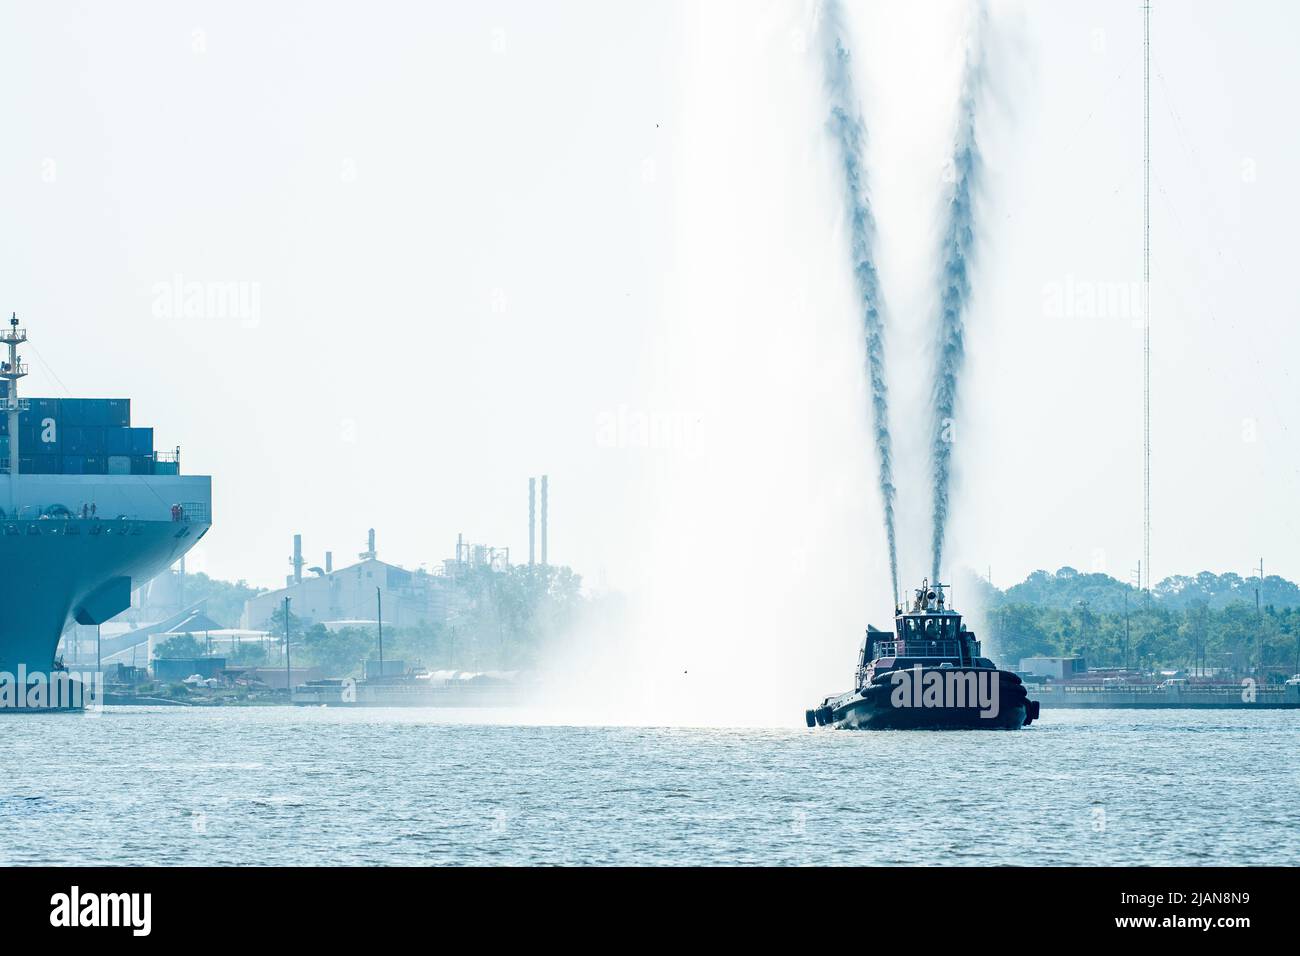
{"x": 80, "y": 436}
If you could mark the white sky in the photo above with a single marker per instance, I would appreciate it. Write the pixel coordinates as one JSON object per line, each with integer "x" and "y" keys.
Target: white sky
{"x": 478, "y": 232}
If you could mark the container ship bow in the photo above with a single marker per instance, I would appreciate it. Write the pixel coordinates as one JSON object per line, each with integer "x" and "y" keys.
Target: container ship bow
{"x": 88, "y": 512}
{"x": 927, "y": 674}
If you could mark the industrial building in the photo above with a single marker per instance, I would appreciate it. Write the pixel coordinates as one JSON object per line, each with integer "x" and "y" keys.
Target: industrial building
{"x": 319, "y": 594}
{"x": 1056, "y": 668}
{"x": 353, "y": 594}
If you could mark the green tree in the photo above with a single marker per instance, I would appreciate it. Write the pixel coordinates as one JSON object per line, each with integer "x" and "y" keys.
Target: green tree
{"x": 180, "y": 646}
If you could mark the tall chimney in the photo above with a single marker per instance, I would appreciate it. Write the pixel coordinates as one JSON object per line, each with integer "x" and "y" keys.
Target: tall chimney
{"x": 532, "y": 518}
{"x": 297, "y": 559}
{"x": 329, "y": 561}
{"x": 373, "y": 552}
{"x": 544, "y": 497}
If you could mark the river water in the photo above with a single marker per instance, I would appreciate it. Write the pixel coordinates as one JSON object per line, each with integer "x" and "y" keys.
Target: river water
{"x": 387, "y": 786}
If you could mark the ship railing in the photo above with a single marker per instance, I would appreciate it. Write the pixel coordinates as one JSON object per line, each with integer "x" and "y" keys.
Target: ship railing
{"x": 919, "y": 648}
{"x": 195, "y": 511}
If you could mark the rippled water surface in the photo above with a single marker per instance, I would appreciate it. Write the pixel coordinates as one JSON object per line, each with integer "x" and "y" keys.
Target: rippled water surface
{"x": 282, "y": 786}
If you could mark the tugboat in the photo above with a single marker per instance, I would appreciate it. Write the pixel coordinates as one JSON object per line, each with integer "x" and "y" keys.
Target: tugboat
{"x": 927, "y": 674}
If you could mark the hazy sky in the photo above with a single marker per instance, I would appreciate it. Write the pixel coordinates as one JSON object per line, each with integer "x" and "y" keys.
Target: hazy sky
{"x": 481, "y": 242}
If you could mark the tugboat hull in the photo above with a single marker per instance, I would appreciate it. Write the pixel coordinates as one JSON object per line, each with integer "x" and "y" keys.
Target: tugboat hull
{"x": 923, "y": 699}
{"x": 867, "y": 715}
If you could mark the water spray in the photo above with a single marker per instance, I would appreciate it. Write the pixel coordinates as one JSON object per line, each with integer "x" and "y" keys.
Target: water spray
{"x": 849, "y": 132}
{"x": 955, "y": 287}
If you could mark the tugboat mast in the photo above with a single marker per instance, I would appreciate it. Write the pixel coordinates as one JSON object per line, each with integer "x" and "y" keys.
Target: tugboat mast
{"x": 13, "y": 370}
{"x": 929, "y": 597}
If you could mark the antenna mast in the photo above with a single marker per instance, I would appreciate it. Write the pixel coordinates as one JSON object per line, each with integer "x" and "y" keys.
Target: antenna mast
{"x": 1146, "y": 290}
{"x": 12, "y": 371}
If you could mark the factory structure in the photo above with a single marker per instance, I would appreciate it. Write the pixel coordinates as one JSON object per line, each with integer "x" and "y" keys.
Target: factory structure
{"x": 353, "y": 595}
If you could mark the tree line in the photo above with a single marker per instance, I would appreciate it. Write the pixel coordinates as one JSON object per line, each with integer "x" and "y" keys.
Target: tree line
{"x": 497, "y": 620}
{"x": 1206, "y": 623}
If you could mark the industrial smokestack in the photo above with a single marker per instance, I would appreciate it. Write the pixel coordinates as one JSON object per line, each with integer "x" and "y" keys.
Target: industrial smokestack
{"x": 370, "y": 551}
{"x": 329, "y": 561}
{"x": 544, "y": 509}
{"x": 532, "y": 519}
{"x": 297, "y": 559}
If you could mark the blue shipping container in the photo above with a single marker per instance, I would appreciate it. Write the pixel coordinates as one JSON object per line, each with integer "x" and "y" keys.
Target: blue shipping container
{"x": 119, "y": 412}
{"x": 74, "y": 465}
{"x": 83, "y": 440}
{"x": 141, "y": 441}
{"x": 38, "y": 441}
{"x": 70, "y": 413}
{"x": 38, "y": 465}
{"x": 40, "y": 420}
{"x": 73, "y": 440}
{"x": 45, "y": 407}
{"x": 96, "y": 464}
{"x": 94, "y": 411}
{"x": 142, "y": 464}
{"x": 117, "y": 441}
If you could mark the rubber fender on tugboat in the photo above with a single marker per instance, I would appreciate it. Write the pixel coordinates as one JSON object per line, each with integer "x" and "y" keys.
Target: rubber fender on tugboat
{"x": 825, "y": 716}
{"x": 810, "y": 717}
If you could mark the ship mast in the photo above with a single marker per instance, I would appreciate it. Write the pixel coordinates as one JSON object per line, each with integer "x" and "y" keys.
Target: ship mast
{"x": 12, "y": 371}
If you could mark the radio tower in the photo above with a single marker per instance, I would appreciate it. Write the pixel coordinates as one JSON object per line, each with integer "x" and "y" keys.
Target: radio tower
{"x": 1146, "y": 291}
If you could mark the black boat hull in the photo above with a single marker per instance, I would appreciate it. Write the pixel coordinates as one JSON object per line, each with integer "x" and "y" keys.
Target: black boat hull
{"x": 868, "y": 715}
{"x": 889, "y": 703}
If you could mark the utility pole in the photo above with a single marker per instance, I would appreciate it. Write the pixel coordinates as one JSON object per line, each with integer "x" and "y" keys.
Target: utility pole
{"x": 379, "y": 600}
{"x": 1126, "y": 630}
{"x": 1127, "y": 638}
{"x": 1259, "y": 623}
{"x": 288, "y": 673}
